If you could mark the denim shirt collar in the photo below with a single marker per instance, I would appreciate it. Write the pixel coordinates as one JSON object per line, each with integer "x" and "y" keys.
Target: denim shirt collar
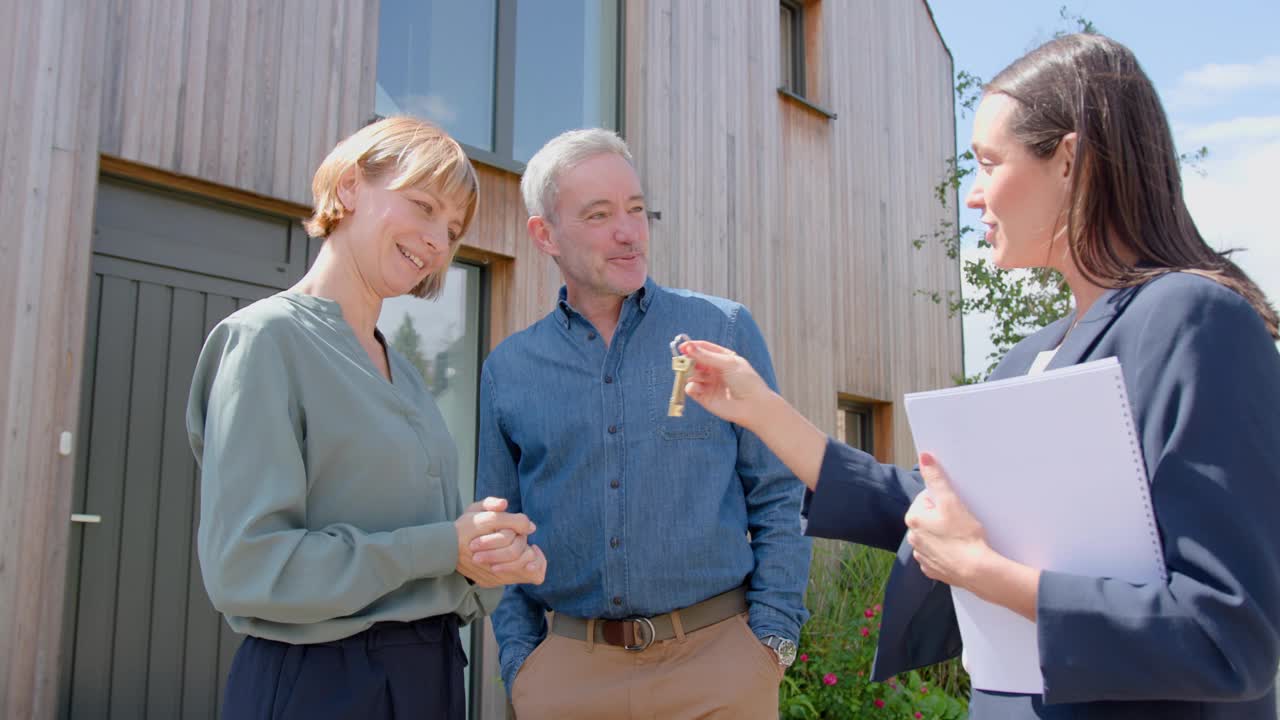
{"x": 641, "y": 298}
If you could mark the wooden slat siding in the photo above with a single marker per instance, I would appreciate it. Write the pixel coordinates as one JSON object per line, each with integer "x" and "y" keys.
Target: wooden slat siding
{"x": 133, "y": 81}
{"x": 239, "y": 65}
{"x": 50, "y": 43}
{"x": 822, "y": 211}
{"x": 213, "y": 101}
{"x": 251, "y": 144}
{"x": 173, "y": 62}
{"x": 191, "y": 95}
{"x": 284, "y": 111}
{"x": 247, "y": 93}
{"x": 304, "y": 118}
{"x": 368, "y": 63}
{"x": 333, "y": 56}
{"x": 317, "y": 98}
{"x": 160, "y": 41}
{"x": 347, "y": 108}
{"x": 309, "y": 52}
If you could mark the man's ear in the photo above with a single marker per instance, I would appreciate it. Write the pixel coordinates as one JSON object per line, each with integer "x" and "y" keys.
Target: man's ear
{"x": 540, "y": 232}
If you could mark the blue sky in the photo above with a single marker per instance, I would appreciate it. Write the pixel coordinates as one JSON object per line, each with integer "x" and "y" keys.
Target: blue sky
{"x": 1217, "y": 68}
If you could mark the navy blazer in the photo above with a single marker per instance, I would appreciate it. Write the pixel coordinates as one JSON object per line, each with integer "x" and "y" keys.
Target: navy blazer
{"x": 1203, "y": 378}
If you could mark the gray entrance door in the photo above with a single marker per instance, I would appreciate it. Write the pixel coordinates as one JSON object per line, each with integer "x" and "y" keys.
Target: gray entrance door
{"x": 142, "y": 640}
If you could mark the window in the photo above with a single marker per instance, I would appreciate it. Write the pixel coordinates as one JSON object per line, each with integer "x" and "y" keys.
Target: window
{"x": 436, "y": 61}
{"x": 855, "y": 423}
{"x": 791, "y": 46}
{"x": 799, "y": 54}
{"x": 502, "y": 76}
{"x": 443, "y": 339}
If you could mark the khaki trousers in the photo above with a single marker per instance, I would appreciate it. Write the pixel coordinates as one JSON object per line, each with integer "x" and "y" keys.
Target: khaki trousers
{"x": 719, "y": 672}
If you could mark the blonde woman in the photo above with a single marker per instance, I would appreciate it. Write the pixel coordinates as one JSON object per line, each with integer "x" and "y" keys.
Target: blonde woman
{"x": 331, "y": 529}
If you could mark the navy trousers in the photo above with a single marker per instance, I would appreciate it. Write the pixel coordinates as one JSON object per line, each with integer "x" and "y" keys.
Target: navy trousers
{"x": 392, "y": 670}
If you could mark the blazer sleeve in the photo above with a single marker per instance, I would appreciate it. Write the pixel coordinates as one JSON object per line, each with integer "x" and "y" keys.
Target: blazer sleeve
{"x": 860, "y": 500}
{"x": 1204, "y": 377}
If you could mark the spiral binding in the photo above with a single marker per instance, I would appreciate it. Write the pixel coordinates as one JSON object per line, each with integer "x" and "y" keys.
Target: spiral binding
{"x": 1140, "y": 469}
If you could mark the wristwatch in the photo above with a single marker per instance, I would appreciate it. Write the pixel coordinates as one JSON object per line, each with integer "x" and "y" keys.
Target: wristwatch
{"x": 782, "y": 647}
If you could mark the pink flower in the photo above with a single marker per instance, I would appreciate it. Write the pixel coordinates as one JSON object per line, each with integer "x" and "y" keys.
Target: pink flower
{"x": 804, "y": 657}
{"x": 830, "y": 679}
{"x": 879, "y": 607}
{"x": 865, "y": 632}
{"x": 879, "y": 703}
{"x": 924, "y": 689}
{"x": 861, "y": 673}
{"x": 919, "y": 715}
{"x": 869, "y": 612}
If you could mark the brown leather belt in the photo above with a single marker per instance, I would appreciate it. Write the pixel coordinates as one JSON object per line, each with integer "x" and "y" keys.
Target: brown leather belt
{"x": 638, "y": 633}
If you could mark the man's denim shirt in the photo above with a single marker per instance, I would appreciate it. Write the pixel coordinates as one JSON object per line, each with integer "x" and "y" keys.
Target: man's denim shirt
{"x": 638, "y": 513}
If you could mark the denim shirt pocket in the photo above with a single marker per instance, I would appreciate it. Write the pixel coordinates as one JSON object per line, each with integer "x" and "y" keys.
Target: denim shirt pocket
{"x": 695, "y": 424}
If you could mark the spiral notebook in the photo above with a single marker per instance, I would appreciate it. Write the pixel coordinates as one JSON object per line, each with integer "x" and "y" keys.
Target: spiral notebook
{"x": 1051, "y": 466}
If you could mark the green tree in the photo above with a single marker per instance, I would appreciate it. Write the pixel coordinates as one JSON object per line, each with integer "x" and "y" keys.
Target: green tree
{"x": 408, "y": 343}
{"x": 1018, "y": 301}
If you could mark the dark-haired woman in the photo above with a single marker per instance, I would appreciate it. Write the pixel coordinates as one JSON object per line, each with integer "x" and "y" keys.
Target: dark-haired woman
{"x": 1078, "y": 173}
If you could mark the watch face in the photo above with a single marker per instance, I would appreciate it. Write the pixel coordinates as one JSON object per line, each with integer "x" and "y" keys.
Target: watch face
{"x": 787, "y": 652}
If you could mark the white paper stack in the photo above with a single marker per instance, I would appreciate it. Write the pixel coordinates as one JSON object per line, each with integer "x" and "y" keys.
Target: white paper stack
{"x": 1050, "y": 465}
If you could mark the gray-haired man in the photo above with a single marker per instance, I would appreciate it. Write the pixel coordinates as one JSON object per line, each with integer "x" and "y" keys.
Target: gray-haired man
{"x": 676, "y": 566}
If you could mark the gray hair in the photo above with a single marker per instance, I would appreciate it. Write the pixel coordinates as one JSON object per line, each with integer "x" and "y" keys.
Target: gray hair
{"x": 539, "y": 186}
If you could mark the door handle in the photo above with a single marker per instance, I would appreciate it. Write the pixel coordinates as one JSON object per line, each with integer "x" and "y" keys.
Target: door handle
{"x": 82, "y": 518}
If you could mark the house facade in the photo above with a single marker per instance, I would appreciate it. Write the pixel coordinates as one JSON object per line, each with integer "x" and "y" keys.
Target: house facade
{"x": 157, "y": 159}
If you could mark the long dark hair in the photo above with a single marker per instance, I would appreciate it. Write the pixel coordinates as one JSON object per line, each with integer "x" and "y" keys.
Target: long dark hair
{"x": 1126, "y": 185}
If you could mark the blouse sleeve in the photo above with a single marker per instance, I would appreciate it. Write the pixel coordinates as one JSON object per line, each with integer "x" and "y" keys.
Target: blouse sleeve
{"x": 257, "y": 557}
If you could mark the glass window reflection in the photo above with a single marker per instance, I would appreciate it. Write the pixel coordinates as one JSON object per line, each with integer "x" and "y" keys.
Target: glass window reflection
{"x": 566, "y": 69}
{"x": 436, "y": 62}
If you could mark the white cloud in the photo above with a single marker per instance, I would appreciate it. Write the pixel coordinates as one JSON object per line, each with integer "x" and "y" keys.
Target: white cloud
{"x": 1235, "y": 130}
{"x": 1234, "y": 204}
{"x": 1214, "y": 82}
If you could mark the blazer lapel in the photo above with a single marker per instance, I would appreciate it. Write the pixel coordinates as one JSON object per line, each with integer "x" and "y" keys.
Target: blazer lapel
{"x": 1081, "y": 339}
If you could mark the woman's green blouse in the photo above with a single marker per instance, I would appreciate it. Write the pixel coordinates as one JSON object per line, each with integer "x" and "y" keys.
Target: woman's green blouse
{"x": 327, "y": 494}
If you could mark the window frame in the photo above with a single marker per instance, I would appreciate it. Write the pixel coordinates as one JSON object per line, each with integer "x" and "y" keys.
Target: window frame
{"x": 794, "y": 84}
{"x": 846, "y": 407}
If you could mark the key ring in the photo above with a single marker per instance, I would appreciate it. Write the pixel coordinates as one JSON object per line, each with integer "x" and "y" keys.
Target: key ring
{"x": 675, "y": 344}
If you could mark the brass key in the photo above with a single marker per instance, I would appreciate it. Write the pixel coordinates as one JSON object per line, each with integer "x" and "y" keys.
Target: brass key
{"x": 682, "y": 366}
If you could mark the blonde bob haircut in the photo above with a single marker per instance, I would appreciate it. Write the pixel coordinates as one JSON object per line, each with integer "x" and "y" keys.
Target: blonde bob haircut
{"x": 403, "y": 152}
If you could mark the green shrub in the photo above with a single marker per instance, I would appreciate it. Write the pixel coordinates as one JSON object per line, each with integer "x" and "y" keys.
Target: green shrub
{"x": 830, "y": 678}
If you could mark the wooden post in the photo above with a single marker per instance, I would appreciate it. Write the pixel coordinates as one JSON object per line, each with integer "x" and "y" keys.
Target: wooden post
{"x": 53, "y": 57}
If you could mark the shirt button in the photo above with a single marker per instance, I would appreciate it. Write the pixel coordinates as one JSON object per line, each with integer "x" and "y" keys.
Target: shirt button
{"x": 617, "y": 600}
{"x": 608, "y": 379}
{"x": 614, "y": 484}
{"x": 591, "y": 336}
{"x": 614, "y": 542}
{"x": 613, "y": 429}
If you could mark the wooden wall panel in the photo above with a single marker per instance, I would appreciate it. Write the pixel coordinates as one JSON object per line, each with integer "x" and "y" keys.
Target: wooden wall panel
{"x": 246, "y": 93}
{"x": 54, "y": 52}
{"x": 807, "y": 220}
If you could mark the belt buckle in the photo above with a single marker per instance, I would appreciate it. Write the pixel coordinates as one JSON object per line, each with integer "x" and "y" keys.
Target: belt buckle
{"x": 637, "y": 623}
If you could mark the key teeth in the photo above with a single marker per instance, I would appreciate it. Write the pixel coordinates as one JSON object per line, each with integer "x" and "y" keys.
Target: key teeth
{"x": 675, "y": 411}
